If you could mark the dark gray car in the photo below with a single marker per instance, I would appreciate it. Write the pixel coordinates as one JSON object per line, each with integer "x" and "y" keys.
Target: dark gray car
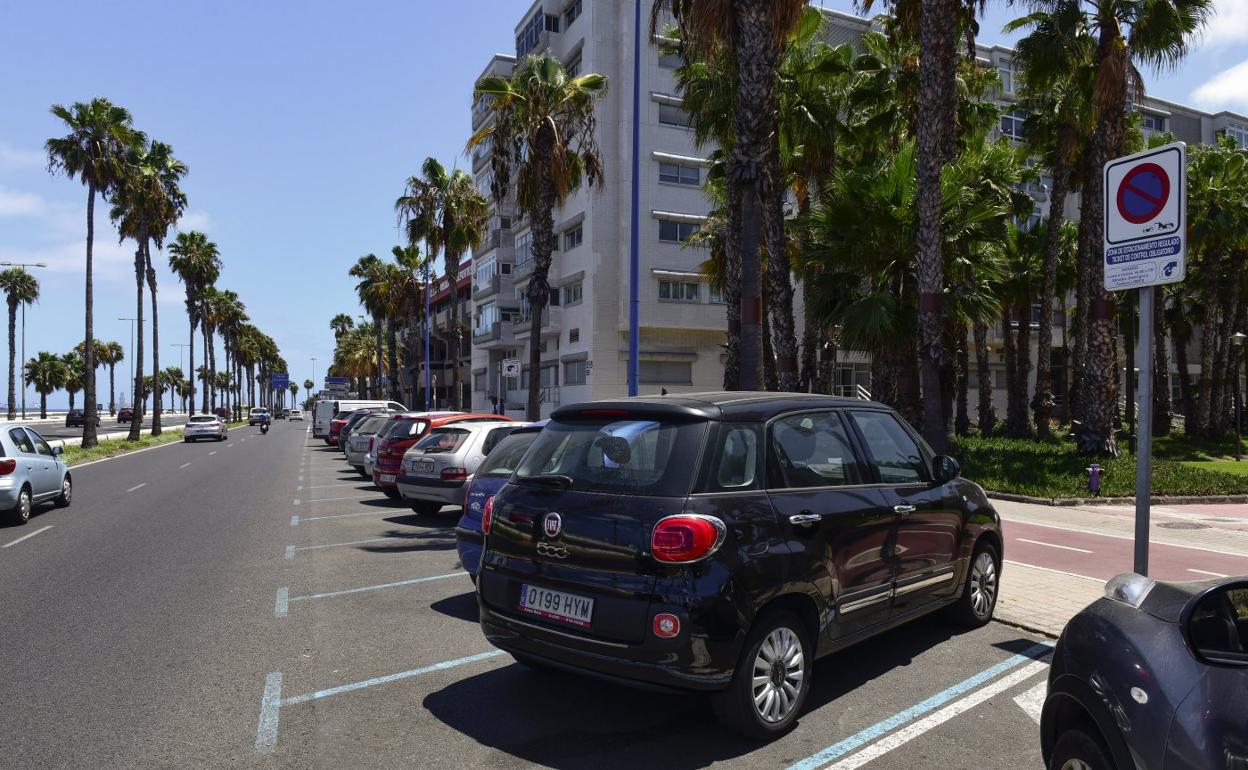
{"x": 1154, "y": 675}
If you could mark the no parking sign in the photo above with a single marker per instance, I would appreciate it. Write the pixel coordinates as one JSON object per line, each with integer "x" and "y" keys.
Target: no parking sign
{"x": 1146, "y": 218}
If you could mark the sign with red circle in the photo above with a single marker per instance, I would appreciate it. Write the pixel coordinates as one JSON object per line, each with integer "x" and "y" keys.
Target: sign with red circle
{"x": 1143, "y": 193}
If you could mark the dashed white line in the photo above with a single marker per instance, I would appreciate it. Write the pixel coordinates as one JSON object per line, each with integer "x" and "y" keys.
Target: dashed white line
{"x": 213, "y": 452}
{"x": 27, "y": 537}
{"x": 1204, "y": 572}
{"x": 183, "y": 465}
{"x": 137, "y": 486}
{"x": 1052, "y": 545}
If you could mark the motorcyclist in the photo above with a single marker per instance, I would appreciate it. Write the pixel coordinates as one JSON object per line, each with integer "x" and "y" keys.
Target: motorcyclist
{"x": 264, "y": 421}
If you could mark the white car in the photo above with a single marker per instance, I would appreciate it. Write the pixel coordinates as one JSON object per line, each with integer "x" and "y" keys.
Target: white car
{"x": 253, "y": 417}
{"x": 204, "y": 426}
{"x": 295, "y": 414}
{"x": 436, "y": 468}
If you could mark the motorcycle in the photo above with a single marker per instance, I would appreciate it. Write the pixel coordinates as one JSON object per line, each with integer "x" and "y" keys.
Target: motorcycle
{"x": 264, "y": 427}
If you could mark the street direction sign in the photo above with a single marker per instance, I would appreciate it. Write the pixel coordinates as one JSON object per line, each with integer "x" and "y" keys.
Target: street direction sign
{"x": 279, "y": 380}
{"x": 1146, "y": 218}
{"x": 511, "y": 367}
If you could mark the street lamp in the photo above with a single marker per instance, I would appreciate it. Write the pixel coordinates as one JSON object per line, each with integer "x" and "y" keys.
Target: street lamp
{"x": 1237, "y": 340}
{"x": 23, "y": 264}
{"x": 131, "y": 356}
{"x": 314, "y": 371}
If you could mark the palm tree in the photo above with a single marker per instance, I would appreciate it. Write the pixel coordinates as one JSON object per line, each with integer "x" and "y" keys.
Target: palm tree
{"x": 542, "y": 141}
{"x": 294, "y": 392}
{"x": 99, "y": 132}
{"x": 448, "y": 213}
{"x": 372, "y": 292}
{"x": 197, "y": 262}
{"x": 111, "y": 354}
{"x": 75, "y": 374}
{"x": 408, "y": 285}
{"x": 172, "y": 377}
{"x": 47, "y": 372}
{"x": 340, "y": 325}
{"x": 20, "y": 288}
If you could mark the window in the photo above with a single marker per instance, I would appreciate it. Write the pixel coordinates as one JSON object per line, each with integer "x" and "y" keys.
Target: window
{"x": 571, "y": 13}
{"x": 678, "y": 291}
{"x": 552, "y": 22}
{"x": 573, "y": 67}
{"x": 671, "y": 115}
{"x": 1153, "y": 122}
{"x": 575, "y": 372}
{"x": 666, "y": 372}
{"x": 1013, "y": 124}
{"x": 441, "y": 441}
{"x": 531, "y": 34}
{"x": 717, "y": 295}
{"x": 478, "y": 382}
{"x": 813, "y": 450}
{"x": 548, "y": 375}
{"x": 487, "y": 316}
{"x": 1238, "y": 132}
{"x": 22, "y": 440}
{"x": 1005, "y": 70}
{"x": 676, "y": 232}
{"x": 669, "y": 60}
{"x": 573, "y": 293}
{"x": 893, "y": 451}
{"x": 486, "y": 269}
{"x": 493, "y": 438}
{"x": 572, "y": 238}
{"x": 524, "y": 250}
{"x": 674, "y": 173}
{"x": 737, "y": 465}
{"x": 41, "y": 446}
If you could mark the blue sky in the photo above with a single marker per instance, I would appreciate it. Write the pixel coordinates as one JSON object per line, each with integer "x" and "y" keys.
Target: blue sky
{"x": 299, "y": 122}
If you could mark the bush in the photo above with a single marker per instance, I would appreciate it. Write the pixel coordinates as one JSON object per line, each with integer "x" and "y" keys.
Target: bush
{"x": 1054, "y": 470}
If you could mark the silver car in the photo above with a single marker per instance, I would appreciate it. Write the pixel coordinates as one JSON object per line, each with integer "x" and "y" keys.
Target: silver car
{"x": 436, "y": 469}
{"x": 31, "y": 472}
{"x": 204, "y": 426}
{"x": 360, "y": 442}
{"x": 295, "y": 414}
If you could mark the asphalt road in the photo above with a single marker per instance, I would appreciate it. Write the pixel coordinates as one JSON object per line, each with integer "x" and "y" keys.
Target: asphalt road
{"x": 56, "y": 428}
{"x": 255, "y": 603}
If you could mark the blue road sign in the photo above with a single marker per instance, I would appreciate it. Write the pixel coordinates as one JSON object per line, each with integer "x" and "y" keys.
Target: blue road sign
{"x": 280, "y": 380}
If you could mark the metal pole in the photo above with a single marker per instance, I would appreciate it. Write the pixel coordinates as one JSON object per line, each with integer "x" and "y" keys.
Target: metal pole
{"x": 1144, "y": 449}
{"x": 23, "y": 359}
{"x": 428, "y": 323}
{"x": 634, "y": 258}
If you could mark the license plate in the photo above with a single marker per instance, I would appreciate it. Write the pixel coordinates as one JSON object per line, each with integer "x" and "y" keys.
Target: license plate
{"x": 422, "y": 466}
{"x": 556, "y": 605}
{"x": 387, "y": 478}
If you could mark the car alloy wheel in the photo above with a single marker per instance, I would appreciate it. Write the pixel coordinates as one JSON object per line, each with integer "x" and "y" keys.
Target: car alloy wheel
{"x": 67, "y": 492}
{"x": 23, "y": 505}
{"x": 1076, "y": 764}
{"x": 983, "y": 585}
{"x": 779, "y": 671}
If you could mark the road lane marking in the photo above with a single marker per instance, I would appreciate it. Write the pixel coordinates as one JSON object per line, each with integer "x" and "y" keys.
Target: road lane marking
{"x": 139, "y": 486}
{"x": 297, "y": 501}
{"x": 1203, "y": 572}
{"x": 290, "y": 552}
{"x": 909, "y": 733}
{"x": 334, "y": 499}
{"x": 294, "y": 520}
{"x": 280, "y": 605}
{"x": 227, "y": 446}
{"x": 213, "y": 452}
{"x": 413, "y": 581}
{"x": 333, "y": 486}
{"x": 270, "y": 706}
{"x": 183, "y": 465}
{"x": 1166, "y": 543}
{"x": 342, "y": 515}
{"x": 1052, "y": 545}
{"x": 838, "y": 750}
{"x": 290, "y": 549}
{"x": 1032, "y": 701}
{"x": 295, "y": 699}
{"x": 1055, "y": 571}
{"x": 27, "y": 537}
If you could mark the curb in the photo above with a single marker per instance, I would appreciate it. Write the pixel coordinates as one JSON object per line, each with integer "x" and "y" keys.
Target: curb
{"x": 1081, "y": 501}
{"x": 1023, "y": 626}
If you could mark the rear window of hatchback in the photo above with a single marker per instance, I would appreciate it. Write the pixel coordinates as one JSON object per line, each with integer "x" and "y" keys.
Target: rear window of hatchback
{"x": 442, "y": 441}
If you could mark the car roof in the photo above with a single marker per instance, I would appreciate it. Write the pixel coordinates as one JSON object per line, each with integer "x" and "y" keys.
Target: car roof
{"x": 457, "y": 417}
{"x": 473, "y": 426}
{"x": 718, "y": 405}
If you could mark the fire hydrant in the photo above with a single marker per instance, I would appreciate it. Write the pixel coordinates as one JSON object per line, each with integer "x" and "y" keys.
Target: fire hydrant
{"x": 1094, "y": 479}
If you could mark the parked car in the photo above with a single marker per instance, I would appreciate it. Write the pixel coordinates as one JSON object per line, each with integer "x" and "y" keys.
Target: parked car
{"x": 436, "y": 467}
{"x": 400, "y": 437}
{"x": 78, "y": 418}
{"x": 360, "y": 440}
{"x": 326, "y": 410}
{"x": 335, "y": 428}
{"x": 223, "y": 412}
{"x": 204, "y": 426}
{"x": 1152, "y": 675}
{"x": 31, "y": 472}
{"x": 722, "y": 542}
{"x": 125, "y": 414}
{"x": 295, "y": 414}
{"x": 490, "y": 477}
{"x": 253, "y": 417}
{"x": 356, "y": 417}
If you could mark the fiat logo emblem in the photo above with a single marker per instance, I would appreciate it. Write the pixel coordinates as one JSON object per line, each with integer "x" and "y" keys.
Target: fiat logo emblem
{"x": 552, "y": 524}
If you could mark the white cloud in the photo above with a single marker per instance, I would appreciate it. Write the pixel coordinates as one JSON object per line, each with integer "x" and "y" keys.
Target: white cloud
{"x": 1226, "y": 90}
{"x": 14, "y": 158}
{"x": 15, "y": 203}
{"x": 193, "y": 220}
{"x": 1228, "y": 25}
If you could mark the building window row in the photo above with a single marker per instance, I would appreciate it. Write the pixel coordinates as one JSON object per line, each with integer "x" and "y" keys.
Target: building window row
{"x": 1238, "y": 132}
{"x": 573, "y": 237}
{"x": 675, "y": 173}
{"x": 679, "y": 291}
{"x": 672, "y": 115}
{"x": 1013, "y": 124}
{"x": 573, "y": 293}
{"x": 531, "y": 35}
{"x": 571, "y": 13}
{"x": 1151, "y": 122}
{"x": 676, "y": 232}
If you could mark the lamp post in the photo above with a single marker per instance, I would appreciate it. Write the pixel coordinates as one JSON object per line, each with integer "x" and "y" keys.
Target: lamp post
{"x": 313, "y": 371}
{"x": 1237, "y": 340}
{"x": 23, "y": 361}
{"x": 131, "y": 356}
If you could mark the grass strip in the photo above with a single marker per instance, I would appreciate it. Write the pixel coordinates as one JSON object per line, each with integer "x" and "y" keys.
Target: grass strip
{"x": 76, "y": 455}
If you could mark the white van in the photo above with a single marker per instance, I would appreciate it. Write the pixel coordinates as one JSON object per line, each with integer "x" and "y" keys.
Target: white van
{"x": 326, "y": 409}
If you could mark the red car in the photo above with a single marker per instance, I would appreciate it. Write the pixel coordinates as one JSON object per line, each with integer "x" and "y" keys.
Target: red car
{"x": 335, "y": 428}
{"x": 406, "y": 431}
{"x": 125, "y": 414}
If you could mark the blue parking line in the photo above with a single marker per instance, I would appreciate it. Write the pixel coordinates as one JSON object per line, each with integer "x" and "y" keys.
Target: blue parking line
{"x": 385, "y": 679}
{"x": 837, "y": 750}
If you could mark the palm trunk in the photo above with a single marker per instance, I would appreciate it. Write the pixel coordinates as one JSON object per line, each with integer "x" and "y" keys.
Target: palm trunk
{"x": 191, "y": 351}
{"x": 1010, "y": 354}
{"x": 987, "y": 420}
{"x": 779, "y": 278}
{"x": 157, "y": 388}
{"x": 139, "y": 402}
{"x": 89, "y": 438}
{"x": 392, "y": 352}
{"x": 732, "y": 287}
{"x": 203, "y": 328}
{"x": 380, "y": 354}
{"x": 211, "y": 356}
{"x": 539, "y": 288}
{"x": 962, "y": 383}
{"x": 71, "y": 398}
{"x": 1043, "y": 401}
{"x": 43, "y": 405}
{"x": 112, "y": 388}
{"x": 12, "y": 359}
{"x": 771, "y": 381}
{"x": 751, "y": 303}
{"x": 455, "y": 342}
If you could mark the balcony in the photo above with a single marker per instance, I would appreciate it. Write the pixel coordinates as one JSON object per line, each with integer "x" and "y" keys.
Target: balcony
{"x": 498, "y": 238}
{"x": 522, "y": 269}
{"x": 499, "y": 334}
{"x": 498, "y": 284}
{"x": 552, "y": 322}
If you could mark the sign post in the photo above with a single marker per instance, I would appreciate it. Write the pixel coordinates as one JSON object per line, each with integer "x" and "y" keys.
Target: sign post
{"x": 1145, "y": 246}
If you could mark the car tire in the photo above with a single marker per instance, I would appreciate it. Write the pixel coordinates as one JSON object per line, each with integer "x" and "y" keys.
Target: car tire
{"x": 186, "y": 440}
{"x": 20, "y": 513}
{"x": 778, "y": 644}
{"x": 67, "y": 493}
{"x": 426, "y": 509}
{"x": 1079, "y": 750}
{"x": 981, "y": 588}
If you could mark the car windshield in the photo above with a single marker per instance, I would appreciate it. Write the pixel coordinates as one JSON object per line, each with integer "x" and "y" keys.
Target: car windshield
{"x": 442, "y": 441}
{"x": 401, "y": 429}
{"x": 633, "y": 456}
{"x": 503, "y": 461}
{"x": 203, "y": 418}
{"x": 342, "y": 415}
{"x": 369, "y": 425}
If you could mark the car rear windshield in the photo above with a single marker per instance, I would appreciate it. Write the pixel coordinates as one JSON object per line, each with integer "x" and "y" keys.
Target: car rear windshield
{"x": 342, "y": 415}
{"x": 369, "y": 425}
{"x": 630, "y": 456}
{"x": 203, "y": 418}
{"x": 442, "y": 441}
{"x": 503, "y": 461}
{"x": 401, "y": 429}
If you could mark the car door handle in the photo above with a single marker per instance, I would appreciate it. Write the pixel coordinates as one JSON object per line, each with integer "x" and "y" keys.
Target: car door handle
{"x": 904, "y": 509}
{"x": 805, "y": 519}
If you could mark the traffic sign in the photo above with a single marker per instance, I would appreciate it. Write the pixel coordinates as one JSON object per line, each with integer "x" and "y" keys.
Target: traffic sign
{"x": 511, "y": 367}
{"x": 1146, "y": 218}
{"x": 279, "y": 380}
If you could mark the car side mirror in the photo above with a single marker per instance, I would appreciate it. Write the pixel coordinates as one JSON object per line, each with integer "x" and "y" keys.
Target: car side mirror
{"x": 58, "y": 450}
{"x": 946, "y": 469}
{"x": 1216, "y": 625}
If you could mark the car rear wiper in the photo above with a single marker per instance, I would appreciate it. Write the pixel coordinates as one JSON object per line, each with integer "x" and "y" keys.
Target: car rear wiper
{"x": 549, "y": 480}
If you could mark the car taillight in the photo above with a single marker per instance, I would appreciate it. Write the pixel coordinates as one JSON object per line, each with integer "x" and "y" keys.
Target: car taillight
{"x": 7, "y": 466}
{"x": 188, "y": 426}
{"x": 370, "y": 443}
{"x": 487, "y": 516}
{"x": 686, "y": 538}
{"x": 454, "y": 474}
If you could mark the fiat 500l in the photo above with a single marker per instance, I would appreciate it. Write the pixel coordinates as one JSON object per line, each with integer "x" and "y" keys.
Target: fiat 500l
{"x": 721, "y": 542}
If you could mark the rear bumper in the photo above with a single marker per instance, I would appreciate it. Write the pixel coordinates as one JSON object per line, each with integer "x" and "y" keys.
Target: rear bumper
{"x": 431, "y": 490}
{"x": 468, "y": 542}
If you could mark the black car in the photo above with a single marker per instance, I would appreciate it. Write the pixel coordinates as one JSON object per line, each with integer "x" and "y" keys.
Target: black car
{"x": 77, "y": 418}
{"x": 353, "y": 420}
{"x": 721, "y": 542}
{"x": 1152, "y": 675}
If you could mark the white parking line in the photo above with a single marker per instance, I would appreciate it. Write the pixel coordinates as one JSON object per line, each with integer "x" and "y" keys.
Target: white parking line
{"x": 290, "y": 549}
{"x": 137, "y": 486}
{"x": 1052, "y": 545}
{"x": 213, "y": 452}
{"x": 1203, "y": 572}
{"x": 344, "y": 515}
{"x": 1032, "y": 701}
{"x": 183, "y": 465}
{"x": 27, "y": 537}
{"x": 227, "y": 446}
{"x": 1055, "y": 571}
{"x": 334, "y": 499}
{"x": 395, "y": 584}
